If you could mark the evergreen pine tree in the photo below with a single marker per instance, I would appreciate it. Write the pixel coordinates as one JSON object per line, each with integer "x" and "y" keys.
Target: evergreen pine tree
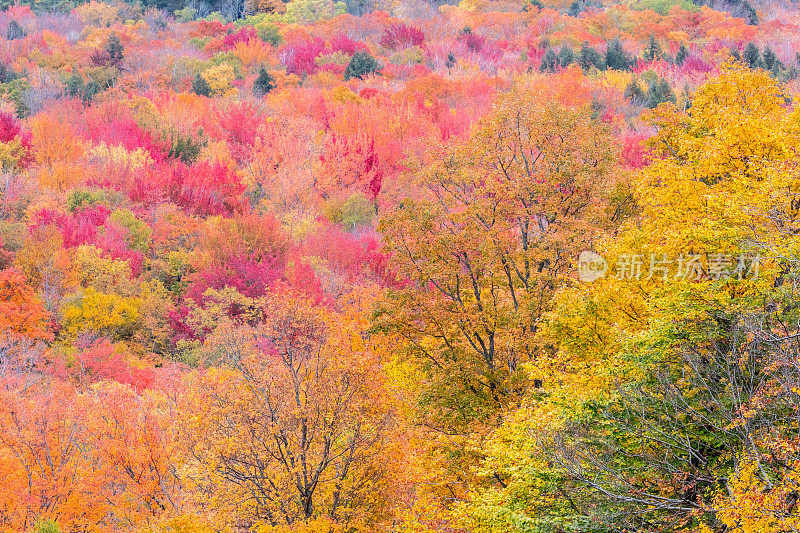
{"x": 533, "y": 5}
{"x": 360, "y": 65}
{"x": 616, "y": 58}
{"x": 634, "y": 93}
{"x": 549, "y": 61}
{"x": 200, "y": 86}
{"x": 752, "y": 56}
{"x": 264, "y": 82}
{"x": 653, "y": 50}
{"x": 770, "y": 60}
{"x": 14, "y": 31}
{"x": 681, "y": 55}
{"x": 659, "y": 92}
{"x": 115, "y": 50}
{"x": 566, "y": 56}
{"x": 589, "y": 57}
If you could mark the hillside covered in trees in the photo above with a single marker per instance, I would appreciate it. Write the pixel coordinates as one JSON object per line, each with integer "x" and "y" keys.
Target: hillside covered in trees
{"x": 362, "y": 266}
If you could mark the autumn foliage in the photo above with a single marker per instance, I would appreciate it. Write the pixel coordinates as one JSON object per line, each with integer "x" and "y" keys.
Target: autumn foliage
{"x": 314, "y": 266}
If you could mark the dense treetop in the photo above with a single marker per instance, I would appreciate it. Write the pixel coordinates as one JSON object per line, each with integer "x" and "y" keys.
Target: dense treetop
{"x": 313, "y": 266}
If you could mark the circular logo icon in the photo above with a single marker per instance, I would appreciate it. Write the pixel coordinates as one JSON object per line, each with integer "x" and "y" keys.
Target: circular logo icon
{"x": 591, "y": 266}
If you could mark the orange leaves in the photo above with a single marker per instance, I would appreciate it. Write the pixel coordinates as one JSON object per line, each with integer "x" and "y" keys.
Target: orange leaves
{"x": 96, "y": 462}
{"x": 21, "y": 311}
{"x": 254, "y": 52}
{"x": 40, "y": 453}
{"x": 292, "y": 415}
{"x": 56, "y": 148}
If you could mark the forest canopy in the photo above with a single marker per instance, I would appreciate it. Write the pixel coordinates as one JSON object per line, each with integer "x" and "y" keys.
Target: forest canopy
{"x": 399, "y": 266}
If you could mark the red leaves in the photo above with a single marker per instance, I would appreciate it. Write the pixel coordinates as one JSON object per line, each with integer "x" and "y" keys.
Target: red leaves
{"x": 351, "y": 162}
{"x": 342, "y": 43}
{"x": 11, "y": 129}
{"x": 300, "y": 58}
{"x": 79, "y": 228}
{"x": 357, "y": 257}
{"x": 473, "y": 42}
{"x": 101, "y": 362}
{"x": 91, "y": 225}
{"x": 634, "y": 153}
{"x": 248, "y": 274}
{"x": 244, "y": 35}
{"x": 205, "y": 188}
{"x": 303, "y": 278}
{"x": 113, "y": 239}
{"x": 401, "y": 36}
{"x": 240, "y": 124}
{"x": 126, "y": 133}
{"x": 210, "y": 28}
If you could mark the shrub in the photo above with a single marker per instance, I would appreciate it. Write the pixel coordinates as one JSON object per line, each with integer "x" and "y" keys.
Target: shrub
{"x": 187, "y": 14}
{"x": 401, "y": 35}
{"x": 244, "y": 35}
{"x": 269, "y": 33}
{"x": 474, "y": 43}
{"x": 81, "y": 198}
{"x": 47, "y": 526}
{"x": 300, "y": 59}
{"x": 663, "y": 7}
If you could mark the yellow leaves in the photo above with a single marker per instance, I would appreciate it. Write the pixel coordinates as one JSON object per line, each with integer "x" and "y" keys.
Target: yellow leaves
{"x": 184, "y": 523}
{"x": 11, "y": 153}
{"x": 219, "y": 79}
{"x": 120, "y": 156}
{"x": 98, "y": 13}
{"x": 144, "y": 110}
{"x": 755, "y": 505}
{"x": 96, "y": 311}
{"x": 726, "y": 163}
{"x": 343, "y": 94}
{"x": 57, "y": 148}
{"x": 678, "y": 36}
{"x": 618, "y": 80}
{"x": 308, "y": 11}
{"x": 318, "y": 525}
{"x": 100, "y": 272}
{"x": 217, "y": 302}
{"x": 294, "y": 394}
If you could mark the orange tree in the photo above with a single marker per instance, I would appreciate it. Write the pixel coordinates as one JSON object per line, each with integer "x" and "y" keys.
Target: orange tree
{"x": 495, "y": 229}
